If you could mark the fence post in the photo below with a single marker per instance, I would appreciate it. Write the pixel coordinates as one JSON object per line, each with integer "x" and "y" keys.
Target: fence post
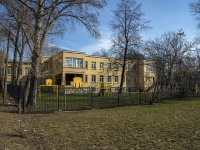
{"x": 118, "y": 98}
{"x": 91, "y": 99}
{"x": 65, "y": 97}
{"x": 58, "y": 90}
{"x": 19, "y": 98}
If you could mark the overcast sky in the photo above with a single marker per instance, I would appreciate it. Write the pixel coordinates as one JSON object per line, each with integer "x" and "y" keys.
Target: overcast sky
{"x": 165, "y": 15}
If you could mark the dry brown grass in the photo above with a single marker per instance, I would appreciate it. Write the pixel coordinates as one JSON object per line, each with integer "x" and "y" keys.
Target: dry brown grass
{"x": 173, "y": 125}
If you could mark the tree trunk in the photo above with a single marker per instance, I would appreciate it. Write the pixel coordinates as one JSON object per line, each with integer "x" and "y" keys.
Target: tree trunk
{"x": 36, "y": 54}
{"x": 123, "y": 68}
{"x": 6, "y": 72}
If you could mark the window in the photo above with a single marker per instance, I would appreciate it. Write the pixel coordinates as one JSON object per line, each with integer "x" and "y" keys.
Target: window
{"x": 149, "y": 68}
{"x": 148, "y": 78}
{"x": 101, "y": 79}
{"x": 129, "y": 67}
{"x": 93, "y": 65}
{"x": 135, "y": 67}
{"x": 93, "y": 78}
{"x": 109, "y": 66}
{"x": 26, "y": 71}
{"x": 74, "y": 62}
{"x": 109, "y": 79}
{"x": 45, "y": 66}
{"x": 116, "y": 79}
{"x": 20, "y": 71}
{"x": 86, "y": 64}
{"x": 128, "y": 79}
{"x": 58, "y": 79}
{"x": 9, "y": 71}
{"x": 116, "y": 67}
{"x": 86, "y": 78}
{"x": 135, "y": 80}
{"x": 58, "y": 64}
{"x": 101, "y": 65}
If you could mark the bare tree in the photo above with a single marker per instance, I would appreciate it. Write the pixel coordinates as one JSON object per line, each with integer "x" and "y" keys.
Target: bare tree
{"x": 101, "y": 53}
{"x": 126, "y": 25}
{"x": 195, "y": 10}
{"x": 45, "y": 14}
{"x": 169, "y": 53}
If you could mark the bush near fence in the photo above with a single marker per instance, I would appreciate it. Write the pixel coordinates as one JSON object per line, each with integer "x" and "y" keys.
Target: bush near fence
{"x": 85, "y": 98}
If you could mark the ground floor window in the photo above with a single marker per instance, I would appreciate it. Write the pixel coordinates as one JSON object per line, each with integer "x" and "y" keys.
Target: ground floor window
{"x": 86, "y": 78}
{"x": 58, "y": 79}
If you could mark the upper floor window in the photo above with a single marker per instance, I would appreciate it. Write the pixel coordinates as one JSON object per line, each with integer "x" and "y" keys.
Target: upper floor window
{"x": 93, "y": 65}
{"x": 9, "y": 71}
{"x": 86, "y": 64}
{"x": 101, "y": 65}
{"x": 135, "y": 80}
{"x": 116, "y": 79}
{"x": 116, "y": 67}
{"x": 149, "y": 68}
{"x": 20, "y": 71}
{"x": 109, "y": 66}
{"x": 135, "y": 67}
{"x": 26, "y": 71}
{"x": 58, "y": 64}
{"x": 129, "y": 67}
{"x": 74, "y": 62}
{"x": 45, "y": 66}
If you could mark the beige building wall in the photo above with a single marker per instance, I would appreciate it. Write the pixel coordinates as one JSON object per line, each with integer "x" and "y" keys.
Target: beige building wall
{"x": 23, "y": 72}
{"x": 94, "y": 70}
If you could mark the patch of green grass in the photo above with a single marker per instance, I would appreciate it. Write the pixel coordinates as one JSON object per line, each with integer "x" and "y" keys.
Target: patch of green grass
{"x": 50, "y": 101}
{"x": 172, "y": 125}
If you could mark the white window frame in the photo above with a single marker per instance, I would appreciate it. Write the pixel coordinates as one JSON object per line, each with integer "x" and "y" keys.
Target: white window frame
{"x": 93, "y": 78}
{"x": 93, "y": 65}
{"x": 101, "y": 79}
{"x": 109, "y": 79}
{"x": 26, "y": 71}
{"x": 109, "y": 66}
{"x": 9, "y": 71}
{"x": 149, "y": 68}
{"x": 74, "y": 62}
{"x": 129, "y": 67}
{"x": 102, "y": 65}
{"x": 116, "y": 79}
{"x": 116, "y": 67}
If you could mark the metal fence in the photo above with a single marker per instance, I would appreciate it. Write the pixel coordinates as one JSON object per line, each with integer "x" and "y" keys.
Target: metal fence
{"x": 85, "y": 98}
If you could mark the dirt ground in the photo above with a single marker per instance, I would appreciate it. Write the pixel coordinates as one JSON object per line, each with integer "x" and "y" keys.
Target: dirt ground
{"x": 15, "y": 134}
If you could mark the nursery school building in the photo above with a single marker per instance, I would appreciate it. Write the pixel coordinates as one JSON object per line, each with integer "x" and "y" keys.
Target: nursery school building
{"x": 77, "y": 69}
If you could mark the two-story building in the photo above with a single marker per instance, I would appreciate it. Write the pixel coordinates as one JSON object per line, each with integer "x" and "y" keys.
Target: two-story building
{"x": 92, "y": 71}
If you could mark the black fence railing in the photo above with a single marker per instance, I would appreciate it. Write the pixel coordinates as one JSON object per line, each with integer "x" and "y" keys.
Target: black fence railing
{"x": 55, "y": 98}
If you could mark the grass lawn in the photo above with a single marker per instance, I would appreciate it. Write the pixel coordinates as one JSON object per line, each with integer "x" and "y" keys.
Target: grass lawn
{"x": 49, "y": 101}
{"x": 172, "y": 125}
